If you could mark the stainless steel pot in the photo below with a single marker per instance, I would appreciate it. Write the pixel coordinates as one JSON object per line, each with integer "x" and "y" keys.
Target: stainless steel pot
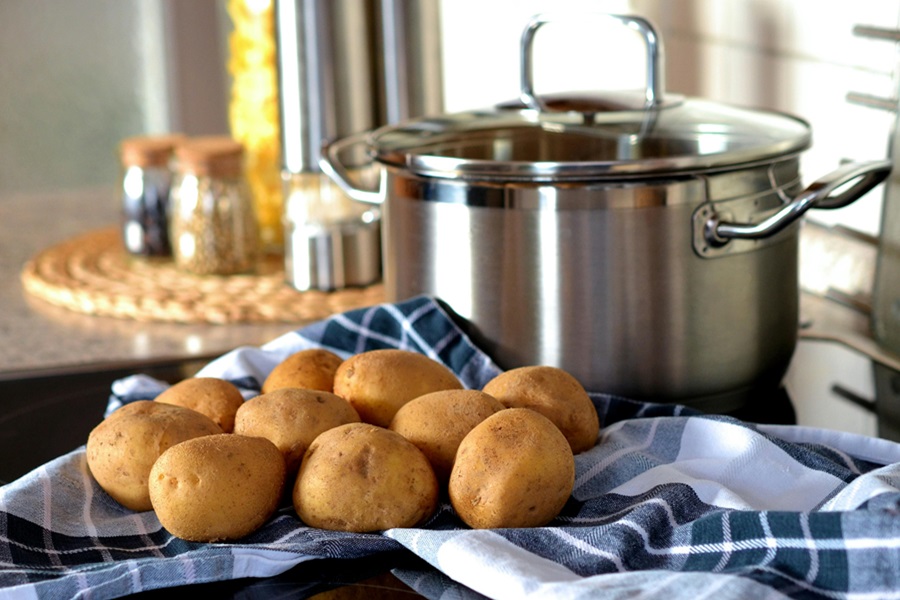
{"x": 648, "y": 247}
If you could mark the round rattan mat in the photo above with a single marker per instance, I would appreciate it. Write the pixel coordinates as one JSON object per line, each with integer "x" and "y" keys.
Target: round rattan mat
{"x": 93, "y": 274}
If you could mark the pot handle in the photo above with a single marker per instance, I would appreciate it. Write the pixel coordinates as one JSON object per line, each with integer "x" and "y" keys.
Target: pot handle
{"x": 331, "y": 165}
{"x": 653, "y": 93}
{"x": 827, "y": 192}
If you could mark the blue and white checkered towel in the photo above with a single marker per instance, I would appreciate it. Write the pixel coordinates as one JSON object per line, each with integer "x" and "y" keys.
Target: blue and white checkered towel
{"x": 670, "y": 503}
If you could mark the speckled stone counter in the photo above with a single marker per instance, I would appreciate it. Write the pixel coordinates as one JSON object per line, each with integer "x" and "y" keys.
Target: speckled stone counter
{"x": 38, "y": 337}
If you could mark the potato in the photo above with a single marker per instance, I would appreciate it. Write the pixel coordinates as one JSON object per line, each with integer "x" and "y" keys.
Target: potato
{"x": 122, "y": 448}
{"x": 514, "y": 469}
{"x": 362, "y": 478}
{"x": 311, "y": 369}
{"x": 378, "y": 382}
{"x": 437, "y": 422}
{"x": 217, "y": 488}
{"x": 291, "y": 418}
{"x": 216, "y": 398}
{"x": 555, "y": 394}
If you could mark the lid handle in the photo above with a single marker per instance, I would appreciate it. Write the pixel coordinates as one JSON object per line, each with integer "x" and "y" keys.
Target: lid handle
{"x": 653, "y": 93}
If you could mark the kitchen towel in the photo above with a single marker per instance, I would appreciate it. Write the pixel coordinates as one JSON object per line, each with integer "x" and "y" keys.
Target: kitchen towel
{"x": 670, "y": 503}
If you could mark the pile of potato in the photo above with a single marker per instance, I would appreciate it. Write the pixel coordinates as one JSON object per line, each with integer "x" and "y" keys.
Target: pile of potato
{"x": 364, "y": 444}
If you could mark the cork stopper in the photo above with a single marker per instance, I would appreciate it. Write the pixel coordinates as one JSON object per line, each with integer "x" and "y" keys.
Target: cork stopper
{"x": 215, "y": 156}
{"x": 148, "y": 150}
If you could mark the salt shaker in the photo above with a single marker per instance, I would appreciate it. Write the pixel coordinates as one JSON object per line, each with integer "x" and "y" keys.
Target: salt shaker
{"x": 212, "y": 223}
{"x": 146, "y": 181}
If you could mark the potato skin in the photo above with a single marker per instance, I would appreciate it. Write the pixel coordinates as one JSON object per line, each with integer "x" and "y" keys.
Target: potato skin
{"x": 362, "y": 478}
{"x": 378, "y": 382}
{"x": 437, "y": 422}
{"x": 555, "y": 394}
{"x": 217, "y": 488}
{"x": 311, "y": 369}
{"x": 291, "y": 418}
{"x": 216, "y": 398}
{"x": 514, "y": 469}
{"x": 122, "y": 448}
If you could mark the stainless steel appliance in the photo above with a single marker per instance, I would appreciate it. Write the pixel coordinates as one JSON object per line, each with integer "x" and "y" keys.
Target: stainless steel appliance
{"x": 648, "y": 246}
{"x": 345, "y": 66}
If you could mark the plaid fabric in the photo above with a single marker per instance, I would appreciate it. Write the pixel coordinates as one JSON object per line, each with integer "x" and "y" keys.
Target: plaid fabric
{"x": 670, "y": 503}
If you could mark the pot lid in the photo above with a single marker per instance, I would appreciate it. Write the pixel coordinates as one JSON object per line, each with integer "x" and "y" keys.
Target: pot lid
{"x": 682, "y": 135}
{"x": 608, "y": 135}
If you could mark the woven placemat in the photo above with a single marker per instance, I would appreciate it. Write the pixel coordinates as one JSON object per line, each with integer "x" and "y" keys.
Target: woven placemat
{"x": 94, "y": 274}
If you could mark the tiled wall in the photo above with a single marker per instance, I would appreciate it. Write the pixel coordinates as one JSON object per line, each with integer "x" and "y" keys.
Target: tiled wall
{"x": 69, "y": 85}
{"x": 78, "y": 76}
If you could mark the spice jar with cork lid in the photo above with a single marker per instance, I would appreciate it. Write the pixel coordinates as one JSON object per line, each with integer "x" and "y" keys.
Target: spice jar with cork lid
{"x": 146, "y": 182}
{"x": 212, "y": 223}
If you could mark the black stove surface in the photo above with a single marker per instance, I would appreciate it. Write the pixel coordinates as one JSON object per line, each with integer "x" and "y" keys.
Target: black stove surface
{"x": 771, "y": 408}
{"x": 369, "y": 578}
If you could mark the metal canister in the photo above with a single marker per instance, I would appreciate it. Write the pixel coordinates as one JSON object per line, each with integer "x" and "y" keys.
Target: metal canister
{"x": 334, "y": 242}
{"x": 345, "y": 66}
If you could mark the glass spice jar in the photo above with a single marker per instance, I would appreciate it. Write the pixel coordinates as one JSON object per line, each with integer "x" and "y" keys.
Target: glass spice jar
{"x": 146, "y": 182}
{"x": 212, "y": 222}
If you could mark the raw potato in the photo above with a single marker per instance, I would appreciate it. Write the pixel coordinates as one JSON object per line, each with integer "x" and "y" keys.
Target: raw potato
{"x": 555, "y": 394}
{"x": 217, "y": 488}
{"x": 291, "y": 418}
{"x": 311, "y": 369}
{"x": 362, "y": 478}
{"x": 437, "y": 422}
{"x": 122, "y": 448}
{"x": 378, "y": 382}
{"x": 216, "y": 398}
{"x": 514, "y": 469}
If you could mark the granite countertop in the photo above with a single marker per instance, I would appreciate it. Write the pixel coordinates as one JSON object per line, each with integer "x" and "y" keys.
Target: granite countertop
{"x": 40, "y": 338}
